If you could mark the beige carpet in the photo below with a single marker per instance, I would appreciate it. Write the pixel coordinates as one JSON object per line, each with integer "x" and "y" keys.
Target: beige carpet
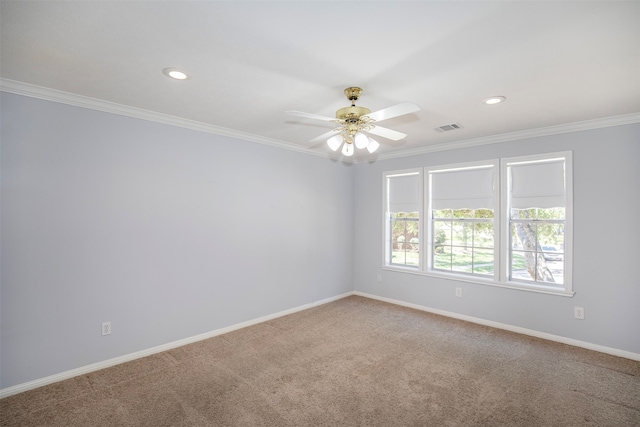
{"x": 353, "y": 362}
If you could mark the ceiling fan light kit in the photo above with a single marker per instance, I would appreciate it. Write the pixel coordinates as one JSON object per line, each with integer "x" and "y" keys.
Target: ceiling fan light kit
{"x": 355, "y": 121}
{"x": 361, "y": 140}
{"x": 335, "y": 142}
{"x": 373, "y": 145}
{"x": 347, "y": 150}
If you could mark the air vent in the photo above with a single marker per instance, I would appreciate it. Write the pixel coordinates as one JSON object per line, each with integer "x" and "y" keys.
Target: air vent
{"x": 446, "y": 128}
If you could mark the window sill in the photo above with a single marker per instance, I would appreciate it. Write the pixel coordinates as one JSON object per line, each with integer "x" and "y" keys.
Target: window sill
{"x": 487, "y": 282}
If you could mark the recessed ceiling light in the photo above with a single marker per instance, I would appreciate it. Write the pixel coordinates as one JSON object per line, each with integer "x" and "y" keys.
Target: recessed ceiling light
{"x": 495, "y": 100}
{"x": 175, "y": 73}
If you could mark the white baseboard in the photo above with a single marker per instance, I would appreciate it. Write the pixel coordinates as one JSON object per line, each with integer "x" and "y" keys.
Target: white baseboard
{"x": 511, "y": 328}
{"x": 143, "y": 353}
{"x": 9, "y": 391}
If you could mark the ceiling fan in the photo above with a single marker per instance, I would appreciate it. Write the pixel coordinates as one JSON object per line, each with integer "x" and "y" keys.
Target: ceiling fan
{"x": 355, "y": 122}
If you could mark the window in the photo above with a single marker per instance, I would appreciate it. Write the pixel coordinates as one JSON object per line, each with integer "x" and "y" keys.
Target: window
{"x": 461, "y": 206}
{"x": 402, "y": 219}
{"x": 504, "y": 222}
{"x": 537, "y": 211}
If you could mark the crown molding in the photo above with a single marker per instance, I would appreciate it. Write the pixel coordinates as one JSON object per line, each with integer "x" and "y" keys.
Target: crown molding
{"x": 47, "y": 94}
{"x": 519, "y": 135}
{"x": 20, "y": 88}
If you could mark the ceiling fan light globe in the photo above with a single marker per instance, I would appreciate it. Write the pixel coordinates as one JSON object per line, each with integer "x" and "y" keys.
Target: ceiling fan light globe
{"x": 347, "y": 150}
{"x": 373, "y": 145}
{"x": 335, "y": 141}
{"x": 361, "y": 140}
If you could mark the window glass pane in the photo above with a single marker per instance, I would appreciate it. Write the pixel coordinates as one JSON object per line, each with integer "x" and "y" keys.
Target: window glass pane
{"x": 555, "y": 266}
{"x": 552, "y": 213}
{"x": 462, "y": 233}
{"x": 398, "y": 257}
{"x": 405, "y": 240}
{"x": 515, "y": 242}
{"x": 538, "y": 254}
{"x": 441, "y": 233}
{"x": 442, "y": 213}
{"x": 442, "y": 258}
{"x": 463, "y": 213}
{"x": 524, "y": 235}
{"x": 483, "y": 235}
{"x": 483, "y": 213}
{"x": 552, "y": 253}
{"x": 465, "y": 246}
{"x": 413, "y": 260}
{"x": 462, "y": 259}
{"x": 398, "y": 233}
{"x": 518, "y": 266}
{"x": 414, "y": 245}
{"x": 523, "y": 213}
{"x": 535, "y": 213}
{"x": 545, "y": 270}
{"x": 483, "y": 261}
{"x": 551, "y": 235}
{"x": 407, "y": 258}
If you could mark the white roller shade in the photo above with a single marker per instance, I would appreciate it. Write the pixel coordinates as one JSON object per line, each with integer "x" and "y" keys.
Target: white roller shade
{"x": 538, "y": 185}
{"x": 463, "y": 189}
{"x": 403, "y": 193}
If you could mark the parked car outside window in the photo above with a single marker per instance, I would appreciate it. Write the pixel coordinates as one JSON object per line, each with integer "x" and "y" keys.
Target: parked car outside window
{"x": 551, "y": 253}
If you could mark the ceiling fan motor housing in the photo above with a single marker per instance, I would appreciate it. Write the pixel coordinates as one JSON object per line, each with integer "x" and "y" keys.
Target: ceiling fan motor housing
{"x": 352, "y": 113}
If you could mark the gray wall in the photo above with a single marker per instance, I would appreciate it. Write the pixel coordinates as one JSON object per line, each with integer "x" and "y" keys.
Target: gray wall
{"x": 169, "y": 233}
{"x": 606, "y": 268}
{"x": 166, "y": 232}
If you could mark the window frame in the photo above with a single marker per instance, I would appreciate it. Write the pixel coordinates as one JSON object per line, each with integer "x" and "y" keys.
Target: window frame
{"x": 386, "y": 237}
{"x": 501, "y": 223}
{"x": 505, "y": 247}
{"x": 427, "y": 201}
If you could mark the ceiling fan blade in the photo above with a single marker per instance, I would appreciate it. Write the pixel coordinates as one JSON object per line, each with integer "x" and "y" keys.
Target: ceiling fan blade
{"x": 309, "y": 115}
{"x": 393, "y": 135}
{"x": 393, "y": 111}
{"x": 325, "y": 136}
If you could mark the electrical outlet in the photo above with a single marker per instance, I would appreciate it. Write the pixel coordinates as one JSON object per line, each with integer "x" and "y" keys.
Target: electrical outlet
{"x": 459, "y": 292}
{"x": 578, "y": 313}
{"x": 106, "y": 328}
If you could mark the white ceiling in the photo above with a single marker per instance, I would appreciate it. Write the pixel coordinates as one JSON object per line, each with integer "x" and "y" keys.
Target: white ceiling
{"x": 556, "y": 62}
